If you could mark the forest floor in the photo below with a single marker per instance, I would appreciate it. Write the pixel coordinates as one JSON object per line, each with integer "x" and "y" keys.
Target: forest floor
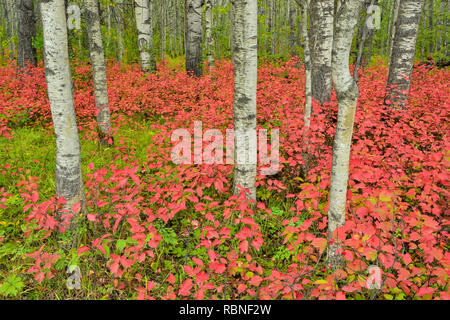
{"x": 156, "y": 230}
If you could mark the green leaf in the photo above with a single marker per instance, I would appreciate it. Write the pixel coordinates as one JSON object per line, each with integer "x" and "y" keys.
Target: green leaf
{"x": 120, "y": 245}
{"x": 12, "y": 286}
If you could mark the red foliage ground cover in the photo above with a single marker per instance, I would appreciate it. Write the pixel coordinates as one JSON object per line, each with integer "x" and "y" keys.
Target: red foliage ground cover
{"x": 397, "y": 200}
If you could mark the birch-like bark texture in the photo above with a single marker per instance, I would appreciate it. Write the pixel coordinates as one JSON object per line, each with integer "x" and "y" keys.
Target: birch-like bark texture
{"x": 143, "y": 11}
{"x": 403, "y": 52}
{"x": 69, "y": 183}
{"x": 366, "y": 33}
{"x": 9, "y": 31}
{"x": 321, "y": 43}
{"x": 208, "y": 33}
{"x": 244, "y": 107}
{"x": 304, "y": 4}
{"x": 347, "y": 92}
{"x": 26, "y": 31}
{"x": 194, "y": 37}
{"x": 99, "y": 70}
{"x": 117, "y": 10}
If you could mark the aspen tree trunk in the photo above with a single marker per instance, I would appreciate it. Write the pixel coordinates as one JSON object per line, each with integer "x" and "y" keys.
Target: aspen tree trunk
{"x": 26, "y": 31}
{"x": 347, "y": 92}
{"x": 245, "y": 61}
{"x": 442, "y": 22}
{"x": 366, "y": 33}
{"x": 270, "y": 22}
{"x": 143, "y": 11}
{"x": 422, "y": 28}
{"x": 208, "y": 31}
{"x": 178, "y": 26}
{"x": 394, "y": 25}
{"x": 304, "y": 4}
{"x": 99, "y": 70}
{"x": 9, "y": 31}
{"x": 194, "y": 37}
{"x": 162, "y": 28}
{"x": 118, "y": 19}
{"x": 430, "y": 27}
{"x": 321, "y": 43}
{"x": 292, "y": 28}
{"x": 403, "y": 52}
{"x": 274, "y": 27}
{"x": 69, "y": 183}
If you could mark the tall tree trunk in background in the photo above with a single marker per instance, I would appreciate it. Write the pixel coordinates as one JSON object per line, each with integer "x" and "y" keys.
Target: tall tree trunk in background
{"x": 194, "y": 37}
{"x": 403, "y": 52}
{"x": 208, "y": 32}
{"x": 430, "y": 27}
{"x": 366, "y": 34}
{"x": 26, "y": 31}
{"x": 347, "y": 93}
{"x": 292, "y": 28}
{"x": 442, "y": 21}
{"x": 422, "y": 28}
{"x": 162, "y": 28}
{"x": 394, "y": 26}
{"x": 321, "y": 43}
{"x": 9, "y": 31}
{"x": 118, "y": 19}
{"x": 274, "y": 38}
{"x": 69, "y": 183}
{"x": 99, "y": 70}
{"x": 304, "y": 5}
{"x": 143, "y": 11}
{"x": 244, "y": 107}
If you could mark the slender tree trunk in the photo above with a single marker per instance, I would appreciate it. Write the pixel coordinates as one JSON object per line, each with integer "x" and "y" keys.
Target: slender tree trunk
{"x": 194, "y": 37}
{"x": 99, "y": 70}
{"x": 442, "y": 21}
{"x": 244, "y": 107}
{"x": 69, "y": 183}
{"x": 304, "y": 5}
{"x": 321, "y": 41}
{"x": 422, "y": 28}
{"x": 403, "y": 52}
{"x": 366, "y": 33}
{"x": 118, "y": 18}
{"x": 292, "y": 28}
{"x": 26, "y": 31}
{"x": 143, "y": 11}
{"x": 208, "y": 31}
{"x": 347, "y": 92}
{"x": 9, "y": 31}
{"x": 430, "y": 27}
{"x": 394, "y": 25}
{"x": 162, "y": 28}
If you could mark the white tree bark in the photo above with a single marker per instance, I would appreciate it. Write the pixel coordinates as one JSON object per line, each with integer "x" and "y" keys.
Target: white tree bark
{"x": 69, "y": 183}
{"x": 403, "y": 52}
{"x": 99, "y": 70}
{"x": 208, "y": 32}
{"x": 307, "y": 57}
{"x": 244, "y": 108}
{"x": 194, "y": 37}
{"x": 321, "y": 43}
{"x": 347, "y": 92}
{"x": 143, "y": 11}
{"x": 118, "y": 18}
